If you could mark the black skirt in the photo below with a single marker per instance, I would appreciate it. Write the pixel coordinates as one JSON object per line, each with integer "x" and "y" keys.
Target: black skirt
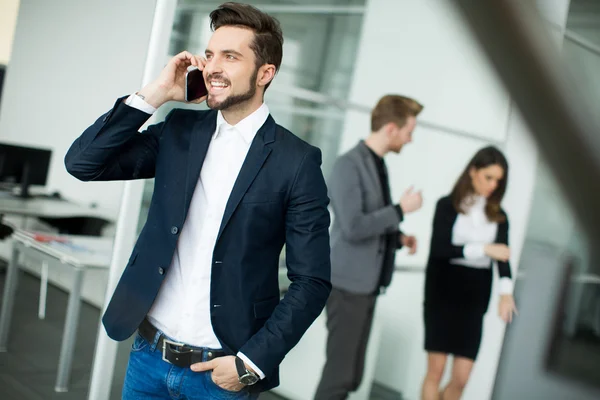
{"x": 456, "y": 299}
{"x": 453, "y": 331}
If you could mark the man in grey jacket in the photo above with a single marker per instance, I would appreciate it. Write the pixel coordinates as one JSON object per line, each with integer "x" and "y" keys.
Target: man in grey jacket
{"x": 364, "y": 238}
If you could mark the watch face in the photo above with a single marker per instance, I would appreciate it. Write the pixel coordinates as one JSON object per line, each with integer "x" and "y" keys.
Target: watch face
{"x": 248, "y": 379}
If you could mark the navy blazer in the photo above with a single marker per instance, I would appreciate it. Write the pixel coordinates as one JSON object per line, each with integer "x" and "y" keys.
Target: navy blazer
{"x": 279, "y": 198}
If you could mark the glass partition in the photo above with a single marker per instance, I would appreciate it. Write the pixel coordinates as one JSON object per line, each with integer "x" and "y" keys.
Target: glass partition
{"x": 320, "y": 46}
{"x": 575, "y": 350}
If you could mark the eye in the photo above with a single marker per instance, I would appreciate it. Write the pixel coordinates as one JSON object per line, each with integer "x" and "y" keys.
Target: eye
{"x": 208, "y": 56}
{"x": 230, "y": 57}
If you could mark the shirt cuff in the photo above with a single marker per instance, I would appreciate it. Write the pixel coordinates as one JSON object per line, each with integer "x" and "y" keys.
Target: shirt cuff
{"x": 252, "y": 365}
{"x": 399, "y": 211}
{"x": 506, "y": 286}
{"x": 137, "y": 102}
{"x": 474, "y": 251}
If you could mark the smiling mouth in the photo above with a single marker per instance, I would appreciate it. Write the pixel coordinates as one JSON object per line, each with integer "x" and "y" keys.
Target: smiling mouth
{"x": 217, "y": 86}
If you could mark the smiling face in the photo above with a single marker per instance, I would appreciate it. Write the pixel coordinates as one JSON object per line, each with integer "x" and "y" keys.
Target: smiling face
{"x": 231, "y": 74}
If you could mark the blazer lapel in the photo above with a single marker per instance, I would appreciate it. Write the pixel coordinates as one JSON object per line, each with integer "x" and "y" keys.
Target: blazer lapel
{"x": 201, "y": 135}
{"x": 256, "y": 157}
{"x": 369, "y": 164}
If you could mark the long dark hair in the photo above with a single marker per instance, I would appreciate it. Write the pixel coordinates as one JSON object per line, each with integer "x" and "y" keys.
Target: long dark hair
{"x": 464, "y": 187}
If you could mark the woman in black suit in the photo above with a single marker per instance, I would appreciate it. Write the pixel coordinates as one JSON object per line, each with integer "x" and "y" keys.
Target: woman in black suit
{"x": 470, "y": 234}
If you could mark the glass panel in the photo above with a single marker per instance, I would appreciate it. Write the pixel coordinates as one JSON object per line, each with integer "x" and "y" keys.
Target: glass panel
{"x": 319, "y": 54}
{"x": 214, "y": 4}
{"x": 575, "y": 350}
{"x": 319, "y": 49}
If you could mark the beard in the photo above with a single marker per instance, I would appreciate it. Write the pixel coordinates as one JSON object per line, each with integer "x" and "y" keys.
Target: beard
{"x": 397, "y": 150}
{"x": 234, "y": 99}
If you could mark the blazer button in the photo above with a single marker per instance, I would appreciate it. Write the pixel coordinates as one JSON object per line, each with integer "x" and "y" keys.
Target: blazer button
{"x": 174, "y": 230}
{"x": 161, "y": 270}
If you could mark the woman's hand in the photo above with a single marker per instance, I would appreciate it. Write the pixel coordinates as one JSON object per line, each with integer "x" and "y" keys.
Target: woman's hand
{"x": 507, "y": 308}
{"x": 497, "y": 251}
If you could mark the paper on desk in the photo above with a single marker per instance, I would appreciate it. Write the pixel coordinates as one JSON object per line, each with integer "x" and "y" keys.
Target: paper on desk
{"x": 70, "y": 246}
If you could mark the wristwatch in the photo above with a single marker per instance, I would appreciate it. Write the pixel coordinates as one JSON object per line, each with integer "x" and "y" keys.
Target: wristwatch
{"x": 247, "y": 378}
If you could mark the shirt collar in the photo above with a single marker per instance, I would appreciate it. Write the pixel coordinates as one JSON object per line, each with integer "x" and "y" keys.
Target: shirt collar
{"x": 249, "y": 126}
{"x": 475, "y": 202}
{"x": 376, "y": 156}
{"x": 480, "y": 201}
{"x": 363, "y": 143}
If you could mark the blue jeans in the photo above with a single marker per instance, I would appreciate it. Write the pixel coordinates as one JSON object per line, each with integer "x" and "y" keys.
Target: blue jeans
{"x": 149, "y": 377}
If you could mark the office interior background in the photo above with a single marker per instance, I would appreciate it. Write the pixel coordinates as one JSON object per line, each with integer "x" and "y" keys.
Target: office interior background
{"x": 67, "y": 61}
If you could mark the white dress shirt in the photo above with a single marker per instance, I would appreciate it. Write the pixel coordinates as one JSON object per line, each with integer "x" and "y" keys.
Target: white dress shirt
{"x": 182, "y": 308}
{"x": 474, "y": 230}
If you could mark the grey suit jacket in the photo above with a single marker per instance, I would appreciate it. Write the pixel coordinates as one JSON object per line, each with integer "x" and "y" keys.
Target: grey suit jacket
{"x": 361, "y": 222}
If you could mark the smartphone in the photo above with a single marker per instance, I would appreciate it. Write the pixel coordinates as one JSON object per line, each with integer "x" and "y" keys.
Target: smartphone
{"x": 194, "y": 84}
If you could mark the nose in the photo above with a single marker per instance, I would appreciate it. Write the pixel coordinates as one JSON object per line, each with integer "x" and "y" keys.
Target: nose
{"x": 212, "y": 67}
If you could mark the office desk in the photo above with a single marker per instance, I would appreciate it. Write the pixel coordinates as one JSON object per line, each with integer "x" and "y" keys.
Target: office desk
{"x": 49, "y": 207}
{"x": 82, "y": 253}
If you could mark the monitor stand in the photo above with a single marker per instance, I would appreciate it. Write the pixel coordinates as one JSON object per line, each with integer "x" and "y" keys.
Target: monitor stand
{"x": 24, "y": 192}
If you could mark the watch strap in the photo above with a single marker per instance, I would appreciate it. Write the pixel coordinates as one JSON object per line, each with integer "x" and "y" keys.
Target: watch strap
{"x": 240, "y": 366}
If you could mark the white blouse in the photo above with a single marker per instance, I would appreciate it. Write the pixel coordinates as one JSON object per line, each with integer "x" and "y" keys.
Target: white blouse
{"x": 474, "y": 230}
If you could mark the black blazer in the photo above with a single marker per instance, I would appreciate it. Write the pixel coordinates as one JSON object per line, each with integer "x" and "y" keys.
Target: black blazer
{"x": 448, "y": 284}
{"x": 279, "y": 197}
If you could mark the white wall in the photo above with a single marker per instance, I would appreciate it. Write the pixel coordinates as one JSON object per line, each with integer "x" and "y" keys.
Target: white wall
{"x": 70, "y": 60}
{"x": 8, "y": 20}
{"x": 422, "y": 49}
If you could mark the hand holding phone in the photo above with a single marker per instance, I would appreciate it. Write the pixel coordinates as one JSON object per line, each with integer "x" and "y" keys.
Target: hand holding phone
{"x": 195, "y": 88}
{"x": 170, "y": 85}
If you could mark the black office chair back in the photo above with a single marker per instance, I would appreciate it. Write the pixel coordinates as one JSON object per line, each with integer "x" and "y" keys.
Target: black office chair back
{"x": 86, "y": 226}
{"x": 5, "y": 230}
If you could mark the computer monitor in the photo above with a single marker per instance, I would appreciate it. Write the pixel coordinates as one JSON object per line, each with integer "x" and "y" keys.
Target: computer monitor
{"x": 23, "y": 166}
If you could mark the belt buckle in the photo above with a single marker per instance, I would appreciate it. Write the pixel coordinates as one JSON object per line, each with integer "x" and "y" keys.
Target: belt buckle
{"x": 171, "y": 342}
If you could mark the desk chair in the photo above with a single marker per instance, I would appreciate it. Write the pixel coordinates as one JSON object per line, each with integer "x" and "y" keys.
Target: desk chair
{"x": 84, "y": 226}
{"x": 5, "y": 230}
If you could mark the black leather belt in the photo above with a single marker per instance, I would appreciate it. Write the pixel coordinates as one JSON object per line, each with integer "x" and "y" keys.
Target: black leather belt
{"x": 178, "y": 354}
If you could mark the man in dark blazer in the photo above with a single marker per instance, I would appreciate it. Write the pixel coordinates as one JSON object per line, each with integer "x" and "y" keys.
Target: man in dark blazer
{"x": 231, "y": 188}
{"x": 364, "y": 239}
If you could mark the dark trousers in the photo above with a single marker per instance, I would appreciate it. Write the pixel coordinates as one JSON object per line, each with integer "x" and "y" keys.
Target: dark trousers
{"x": 349, "y": 320}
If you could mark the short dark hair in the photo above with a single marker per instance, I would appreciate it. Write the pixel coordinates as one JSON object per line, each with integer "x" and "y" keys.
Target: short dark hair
{"x": 268, "y": 38}
{"x": 394, "y": 108}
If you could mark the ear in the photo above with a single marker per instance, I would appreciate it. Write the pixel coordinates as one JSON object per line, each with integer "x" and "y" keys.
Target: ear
{"x": 389, "y": 128}
{"x": 266, "y": 73}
